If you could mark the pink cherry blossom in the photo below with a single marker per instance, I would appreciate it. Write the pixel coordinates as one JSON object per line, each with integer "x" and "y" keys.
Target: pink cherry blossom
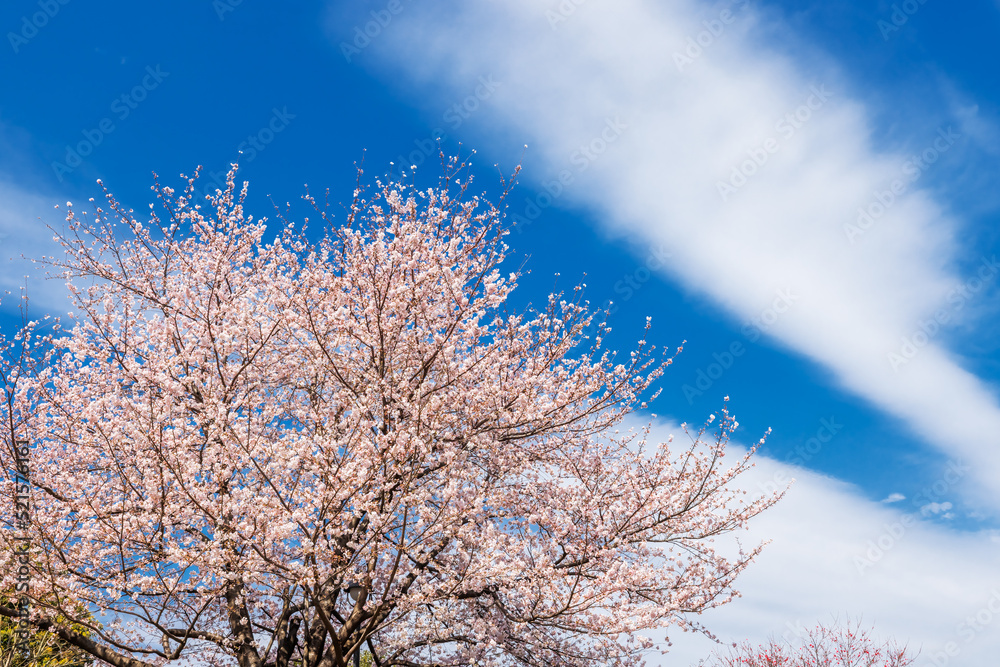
{"x": 826, "y": 645}
{"x": 236, "y": 427}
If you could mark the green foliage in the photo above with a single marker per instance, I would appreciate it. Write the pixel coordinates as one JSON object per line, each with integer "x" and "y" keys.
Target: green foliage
{"x": 47, "y": 650}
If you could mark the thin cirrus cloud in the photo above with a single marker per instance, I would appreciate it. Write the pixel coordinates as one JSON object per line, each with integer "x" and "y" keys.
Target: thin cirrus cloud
{"x": 751, "y": 169}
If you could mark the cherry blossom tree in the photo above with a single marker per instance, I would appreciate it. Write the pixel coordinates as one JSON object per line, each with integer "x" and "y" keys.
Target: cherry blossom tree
{"x": 826, "y": 645}
{"x": 234, "y": 428}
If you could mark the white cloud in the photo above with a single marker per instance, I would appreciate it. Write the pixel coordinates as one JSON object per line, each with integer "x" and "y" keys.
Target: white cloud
{"x": 24, "y": 236}
{"x": 834, "y": 553}
{"x": 894, "y": 498}
{"x": 937, "y": 508}
{"x": 751, "y": 169}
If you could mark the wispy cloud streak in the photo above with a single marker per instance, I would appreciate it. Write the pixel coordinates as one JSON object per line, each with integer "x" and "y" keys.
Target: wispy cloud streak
{"x": 756, "y": 173}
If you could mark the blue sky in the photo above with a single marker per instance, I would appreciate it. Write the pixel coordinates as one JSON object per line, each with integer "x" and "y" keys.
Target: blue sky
{"x": 714, "y": 159}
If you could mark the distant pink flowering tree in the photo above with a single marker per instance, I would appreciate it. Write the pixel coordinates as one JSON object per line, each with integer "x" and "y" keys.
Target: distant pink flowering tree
{"x": 234, "y": 430}
{"x": 824, "y": 646}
